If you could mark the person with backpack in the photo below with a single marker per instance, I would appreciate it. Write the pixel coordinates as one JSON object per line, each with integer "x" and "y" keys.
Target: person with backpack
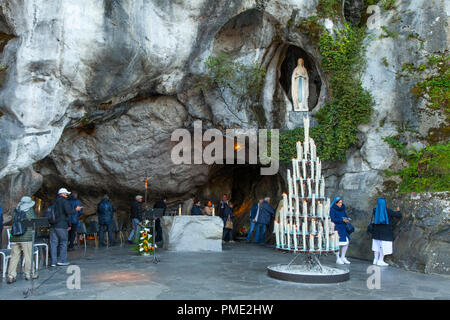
{"x": 21, "y": 240}
{"x": 59, "y": 214}
{"x": 105, "y": 211}
{"x": 74, "y": 219}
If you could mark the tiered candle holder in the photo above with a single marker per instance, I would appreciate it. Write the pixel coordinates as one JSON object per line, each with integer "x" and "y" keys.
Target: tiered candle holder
{"x": 304, "y": 225}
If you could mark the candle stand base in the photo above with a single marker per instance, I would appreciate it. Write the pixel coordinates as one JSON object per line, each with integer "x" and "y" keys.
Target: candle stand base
{"x": 312, "y": 271}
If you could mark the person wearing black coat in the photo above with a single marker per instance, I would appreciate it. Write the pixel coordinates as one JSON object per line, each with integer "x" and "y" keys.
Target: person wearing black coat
{"x": 196, "y": 210}
{"x": 382, "y": 236}
{"x": 161, "y": 204}
{"x": 227, "y": 213}
{"x": 136, "y": 218}
{"x": 59, "y": 231}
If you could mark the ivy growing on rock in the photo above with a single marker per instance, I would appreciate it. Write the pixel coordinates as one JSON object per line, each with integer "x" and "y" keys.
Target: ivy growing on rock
{"x": 349, "y": 104}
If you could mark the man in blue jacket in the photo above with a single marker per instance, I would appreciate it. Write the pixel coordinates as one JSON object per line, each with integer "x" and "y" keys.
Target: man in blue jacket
{"x": 74, "y": 218}
{"x": 105, "y": 211}
{"x": 253, "y": 212}
{"x": 263, "y": 220}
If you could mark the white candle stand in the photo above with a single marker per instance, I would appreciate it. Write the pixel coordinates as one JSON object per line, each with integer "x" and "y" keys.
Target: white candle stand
{"x": 299, "y": 240}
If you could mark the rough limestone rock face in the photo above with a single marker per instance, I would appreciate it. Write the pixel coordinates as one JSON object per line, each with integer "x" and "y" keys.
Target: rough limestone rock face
{"x": 94, "y": 89}
{"x": 192, "y": 233}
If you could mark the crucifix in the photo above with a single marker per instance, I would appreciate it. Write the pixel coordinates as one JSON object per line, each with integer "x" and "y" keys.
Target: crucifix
{"x": 146, "y": 180}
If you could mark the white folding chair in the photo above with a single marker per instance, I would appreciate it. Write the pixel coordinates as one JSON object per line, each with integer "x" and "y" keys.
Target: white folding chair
{"x": 6, "y": 253}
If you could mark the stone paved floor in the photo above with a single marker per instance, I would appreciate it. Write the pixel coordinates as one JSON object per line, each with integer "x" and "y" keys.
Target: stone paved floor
{"x": 239, "y": 272}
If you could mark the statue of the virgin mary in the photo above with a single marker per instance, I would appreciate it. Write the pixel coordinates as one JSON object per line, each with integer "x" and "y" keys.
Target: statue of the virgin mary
{"x": 299, "y": 87}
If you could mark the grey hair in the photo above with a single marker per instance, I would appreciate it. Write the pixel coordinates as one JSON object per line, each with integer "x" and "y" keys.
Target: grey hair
{"x": 267, "y": 198}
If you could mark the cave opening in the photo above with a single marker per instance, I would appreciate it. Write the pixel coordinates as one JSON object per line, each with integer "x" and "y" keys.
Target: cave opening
{"x": 293, "y": 53}
{"x": 244, "y": 186}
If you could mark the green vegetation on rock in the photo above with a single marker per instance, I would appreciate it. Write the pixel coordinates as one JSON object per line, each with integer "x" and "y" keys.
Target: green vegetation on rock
{"x": 349, "y": 104}
{"x": 428, "y": 169}
{"x": 239, "y": 85}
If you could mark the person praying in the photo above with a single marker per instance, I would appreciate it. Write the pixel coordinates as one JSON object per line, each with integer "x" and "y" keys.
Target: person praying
{"x": 339, "y": 218}
{"x": 382, "y": 236}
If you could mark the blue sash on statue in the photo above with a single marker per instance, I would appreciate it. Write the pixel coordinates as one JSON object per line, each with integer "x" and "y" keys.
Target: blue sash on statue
{"x": 300, "y": 92}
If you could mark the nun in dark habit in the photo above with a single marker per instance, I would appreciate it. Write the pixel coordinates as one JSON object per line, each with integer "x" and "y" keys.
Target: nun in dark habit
{"x": 382, "y": 231}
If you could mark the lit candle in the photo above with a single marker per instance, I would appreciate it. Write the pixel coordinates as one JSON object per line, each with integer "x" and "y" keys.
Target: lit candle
{"x": 288, "y": 236}
{"x": 295, "y": 238}
{"x": 304, "y": 235}
{"x": 316, "y": 187}
{"x": 277, "y": 235}
{"x": 336, "y": 239}
{"x": 312, "y": 169}
{"x": 313, "y": 205}
{"x": 299, "y": 150}
{"x": 320, "y": 209}
{"x": 309, "y": 188}
{"x": 294, "y": 174}
{"x": 313, "y": 226}
{"x": 305, "y": 150}
{"x": 302, "y": 187}
{"x": 297, "y": 210}
{"x": 311, "y": 147}
{"x": 179, "y": 210}
{"x": 304, "y": 168}
{"x": 311, "y": 243}
{"x": 305, "y": 208}
{"x": 318, "y": 169}
{"x": 322, "y": 188}
{"x": 306, "y": 128}
{"x": 319, "y": 241}
{"x": 213, "y": 211}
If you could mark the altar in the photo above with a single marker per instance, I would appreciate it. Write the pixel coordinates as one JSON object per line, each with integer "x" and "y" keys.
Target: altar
{"x": 192, "y": 233}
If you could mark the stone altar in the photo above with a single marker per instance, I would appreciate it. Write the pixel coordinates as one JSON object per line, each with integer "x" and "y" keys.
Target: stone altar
{"x": 192, "y": 233}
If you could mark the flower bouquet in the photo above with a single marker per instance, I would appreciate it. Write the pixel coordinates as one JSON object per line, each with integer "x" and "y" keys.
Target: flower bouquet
{"x": 145, "y": 245}
{"x": 243, "y": 231}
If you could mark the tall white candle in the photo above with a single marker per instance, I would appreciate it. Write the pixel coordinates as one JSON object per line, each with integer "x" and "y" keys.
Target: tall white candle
{"x": 294, "y": 169}
{"x": 297, "y": 167}
{"x": 306, "y": 128}
{"x": 314, "y": 152}
{"x": 311, "y": 243}
{"x": 304, "y": 235}
{"x": 313, "y": 226}
{"x": 276, "y": 228}
{"x": 313, "y": 205}
{"x": 299, "y": 150}
{"x": 312, "y": 169}
{"x": 336, "y": 239}
{"x": 305, "y": 150}
{"x": 320, "y": 209}
{"x": 294, "y": 236}
{"x": 316, "y": 187}
{"x": 305, "y": 208}
{"x": 297, "y": 211}
{"x": 311, "y": 147}
{"x": 322, "y": 188}
{"x": 179, "y": 210}
{"x": 309, "y": 188}
{"x": 327, "y": 241}
{"x": 283, "y": 219}
{"x": 304, "y": 168}
{"x": 302, "y": 188}
{"x": 318, "y": 169}
{"x": 288, "y": 236}
{"x": 319, "y": 241}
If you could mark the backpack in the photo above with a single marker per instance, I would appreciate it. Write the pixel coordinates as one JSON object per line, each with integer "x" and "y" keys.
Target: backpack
{"x": 51, "y": 213}
{"x": 17, "y": 228}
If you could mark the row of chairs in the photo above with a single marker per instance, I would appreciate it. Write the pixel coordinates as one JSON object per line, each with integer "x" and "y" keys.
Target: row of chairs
{"x": 82, "y": 234}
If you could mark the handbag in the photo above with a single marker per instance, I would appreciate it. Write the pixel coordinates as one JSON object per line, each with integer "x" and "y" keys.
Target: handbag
{"x": 229, "y": 223}
{"x": 349, "y": 227}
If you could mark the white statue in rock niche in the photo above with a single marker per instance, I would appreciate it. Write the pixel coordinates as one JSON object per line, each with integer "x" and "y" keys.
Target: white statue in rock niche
{"x": 300, "y": 87}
